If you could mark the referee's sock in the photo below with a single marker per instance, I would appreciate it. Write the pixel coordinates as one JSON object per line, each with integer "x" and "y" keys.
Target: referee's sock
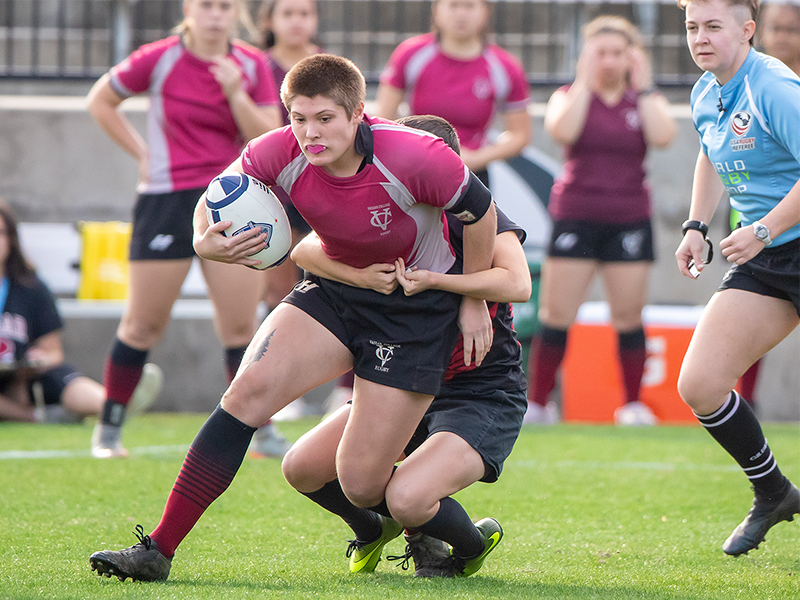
{"x": 452, "y": 524}
{"x": 208, "y": 469}
{"x": 123, "y": 371}
{"x": 364, "y": 522}
{"x": 735, "y": 427}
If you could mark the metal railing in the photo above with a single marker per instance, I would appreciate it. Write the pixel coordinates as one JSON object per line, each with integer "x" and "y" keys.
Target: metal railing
{"x": 81, "y": 39}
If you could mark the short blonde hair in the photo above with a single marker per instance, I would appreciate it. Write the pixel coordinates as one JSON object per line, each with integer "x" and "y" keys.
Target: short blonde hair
{"x": 612, "y": 24}
{"x": 753, "y": 6}
{"x": 245, "y": 20}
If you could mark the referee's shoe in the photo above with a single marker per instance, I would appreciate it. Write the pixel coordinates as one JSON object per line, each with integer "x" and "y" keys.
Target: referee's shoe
{"x": 765, "y": 512}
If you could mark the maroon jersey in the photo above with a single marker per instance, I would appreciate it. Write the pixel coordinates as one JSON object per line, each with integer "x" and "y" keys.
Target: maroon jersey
{"x": 603, "y": 176}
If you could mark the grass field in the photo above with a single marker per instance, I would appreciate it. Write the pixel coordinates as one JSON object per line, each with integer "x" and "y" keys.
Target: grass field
{"x": 588, "y": 512}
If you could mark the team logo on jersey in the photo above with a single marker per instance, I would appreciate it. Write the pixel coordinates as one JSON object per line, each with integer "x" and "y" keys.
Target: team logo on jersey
{"x": 482, "y": 88}
{"x": 740, "y": 122}
{"x": 381, "y": 217}
{"x": 633, "y": 119}
{"x": 384, "y": 352}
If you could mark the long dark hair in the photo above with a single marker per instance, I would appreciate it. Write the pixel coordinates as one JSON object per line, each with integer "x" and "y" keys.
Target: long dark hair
{"x": 267, "y": 36}
{"x": 18, "y": 270}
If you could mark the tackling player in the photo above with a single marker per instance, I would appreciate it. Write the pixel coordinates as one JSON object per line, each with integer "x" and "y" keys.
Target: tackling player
{"x": 466, "y": 434}
{"x": 374, "y": 191}
{"x": 746, "y": 108}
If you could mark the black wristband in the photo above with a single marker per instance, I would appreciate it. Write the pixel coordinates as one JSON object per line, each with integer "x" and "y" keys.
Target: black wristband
{"x": 694, "y": 226}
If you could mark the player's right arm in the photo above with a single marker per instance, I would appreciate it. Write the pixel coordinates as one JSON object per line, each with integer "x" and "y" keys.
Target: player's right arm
{"x": 707, "y": 190}
{"x": 309, "y": 254}
{"x": 209, "y": 243}
{"x": 103, "y": 104}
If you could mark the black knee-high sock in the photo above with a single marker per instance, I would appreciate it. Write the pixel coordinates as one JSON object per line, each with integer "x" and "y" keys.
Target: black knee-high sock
{"x": 362, "y": 521}
{"x": 123, "y": 370}
{"x": 452, "y": 524}
{"x": 736, "y": 429}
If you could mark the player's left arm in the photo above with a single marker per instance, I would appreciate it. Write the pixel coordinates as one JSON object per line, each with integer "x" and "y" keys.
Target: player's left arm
{"x": 515, "y": 136}
{"x": 251, "y": 119}
{"x": 508, "y": 280}
{"x": 309, "y": 255}
{"x": 742, "y": 244}
{"x": 46, "y": 351}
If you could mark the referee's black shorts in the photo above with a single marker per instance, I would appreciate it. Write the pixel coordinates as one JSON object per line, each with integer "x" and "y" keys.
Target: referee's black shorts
{"x": 397, "y": 341}
{"x": 775, "y": 271}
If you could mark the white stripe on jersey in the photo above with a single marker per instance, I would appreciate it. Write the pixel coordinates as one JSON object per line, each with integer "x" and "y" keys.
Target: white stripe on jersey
{"x": 160, "y": 168}
{"x": 292, "y": 172}
{"x": 501, "y": 82}
{"x": 753, "y": 106}
{"x": 700, "y": 98}
{"x": 429, "y": 228}
{"x": 418, "y": 62}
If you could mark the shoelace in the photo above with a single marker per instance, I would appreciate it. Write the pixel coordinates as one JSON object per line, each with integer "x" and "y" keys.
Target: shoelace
{"x": 405, "y": 558}
{"x": 143, "y": 539}
{"x": 354, "y": 545}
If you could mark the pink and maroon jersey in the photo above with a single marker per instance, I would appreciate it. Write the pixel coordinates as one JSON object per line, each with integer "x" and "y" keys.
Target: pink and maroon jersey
{"x": 191, "y": 132}
{"x": 391, "y": 208}
{"x": 468, "y": 93}
{"x": 603, "y": 175}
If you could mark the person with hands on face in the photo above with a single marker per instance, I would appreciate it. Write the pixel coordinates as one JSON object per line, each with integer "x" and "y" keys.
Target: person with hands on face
{"x": 607, "y": 119}
{"x": 209, "y": 94}
{"x": 746, "y": 108}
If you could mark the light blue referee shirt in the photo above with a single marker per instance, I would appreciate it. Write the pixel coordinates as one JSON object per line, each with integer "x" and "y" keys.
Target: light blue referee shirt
{"x": 754, "y": 143}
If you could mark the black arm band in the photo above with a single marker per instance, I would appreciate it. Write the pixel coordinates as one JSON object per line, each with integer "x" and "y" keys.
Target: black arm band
{"x": 473, "y": 203}
{"x": 694, "y": 226}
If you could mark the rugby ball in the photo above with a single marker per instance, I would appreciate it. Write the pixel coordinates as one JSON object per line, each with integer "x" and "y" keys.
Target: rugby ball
{"x": 250, "y": 205}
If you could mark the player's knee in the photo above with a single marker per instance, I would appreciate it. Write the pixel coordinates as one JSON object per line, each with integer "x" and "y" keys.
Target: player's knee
{"x": 141, "y": 333}
{"x": 299, "y": 471}
{"x": 362, "y": 491}
{"x": 408, "y": 506}
{"x": 700, "y": 390}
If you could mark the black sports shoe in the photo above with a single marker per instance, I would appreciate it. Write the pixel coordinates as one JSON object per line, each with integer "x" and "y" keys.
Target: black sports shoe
{"x": 141, "y": 562}
{"x": 765, "y": 512}
{"x": 432, "y": 557}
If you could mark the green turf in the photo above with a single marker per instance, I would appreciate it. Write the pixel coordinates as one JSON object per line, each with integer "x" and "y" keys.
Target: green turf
{"x": 588, "y": 512}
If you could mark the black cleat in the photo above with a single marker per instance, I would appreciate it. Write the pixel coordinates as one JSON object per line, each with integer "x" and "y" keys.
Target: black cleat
{"x": 432, "y": 557}
{"x": 765, "y": 512}
{"x": 141, "y": 562}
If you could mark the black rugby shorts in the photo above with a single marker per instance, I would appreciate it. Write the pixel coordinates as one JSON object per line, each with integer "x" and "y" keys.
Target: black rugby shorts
{"x": 398, "y": 341}
{"x": 604, "y": 242}
{"x": 162, "y": 225}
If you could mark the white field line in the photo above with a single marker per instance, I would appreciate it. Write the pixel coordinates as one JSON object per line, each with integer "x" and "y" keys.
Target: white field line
{"x": 626, "y": 465}
{"x": 140, "y": 451}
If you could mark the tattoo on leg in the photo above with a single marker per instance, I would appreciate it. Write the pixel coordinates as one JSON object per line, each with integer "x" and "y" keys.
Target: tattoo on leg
{"x": 261, "y": 351}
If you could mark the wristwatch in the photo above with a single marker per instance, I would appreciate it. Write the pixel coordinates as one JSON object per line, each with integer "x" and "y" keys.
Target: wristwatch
{"x": 762, "y": 233}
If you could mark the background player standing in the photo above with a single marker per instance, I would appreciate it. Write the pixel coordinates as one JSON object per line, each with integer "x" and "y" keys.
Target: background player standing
{"x": 606, "y": 119}
{"x": 455, "y": 73}
{"x": 208, "y": 95}
{"x": 746, "y": 108}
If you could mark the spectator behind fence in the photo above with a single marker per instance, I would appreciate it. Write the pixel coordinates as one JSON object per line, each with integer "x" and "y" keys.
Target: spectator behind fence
{"x": 746, "y": 109}
{"x": 209, "y": 94}
{"x": 36, "y": 385}
{"x": 455, "y": 73}
{"x": 606, "y": 119}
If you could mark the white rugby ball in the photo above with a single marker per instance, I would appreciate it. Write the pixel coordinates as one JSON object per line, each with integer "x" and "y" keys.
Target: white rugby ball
{"x": 250, "y": 205}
